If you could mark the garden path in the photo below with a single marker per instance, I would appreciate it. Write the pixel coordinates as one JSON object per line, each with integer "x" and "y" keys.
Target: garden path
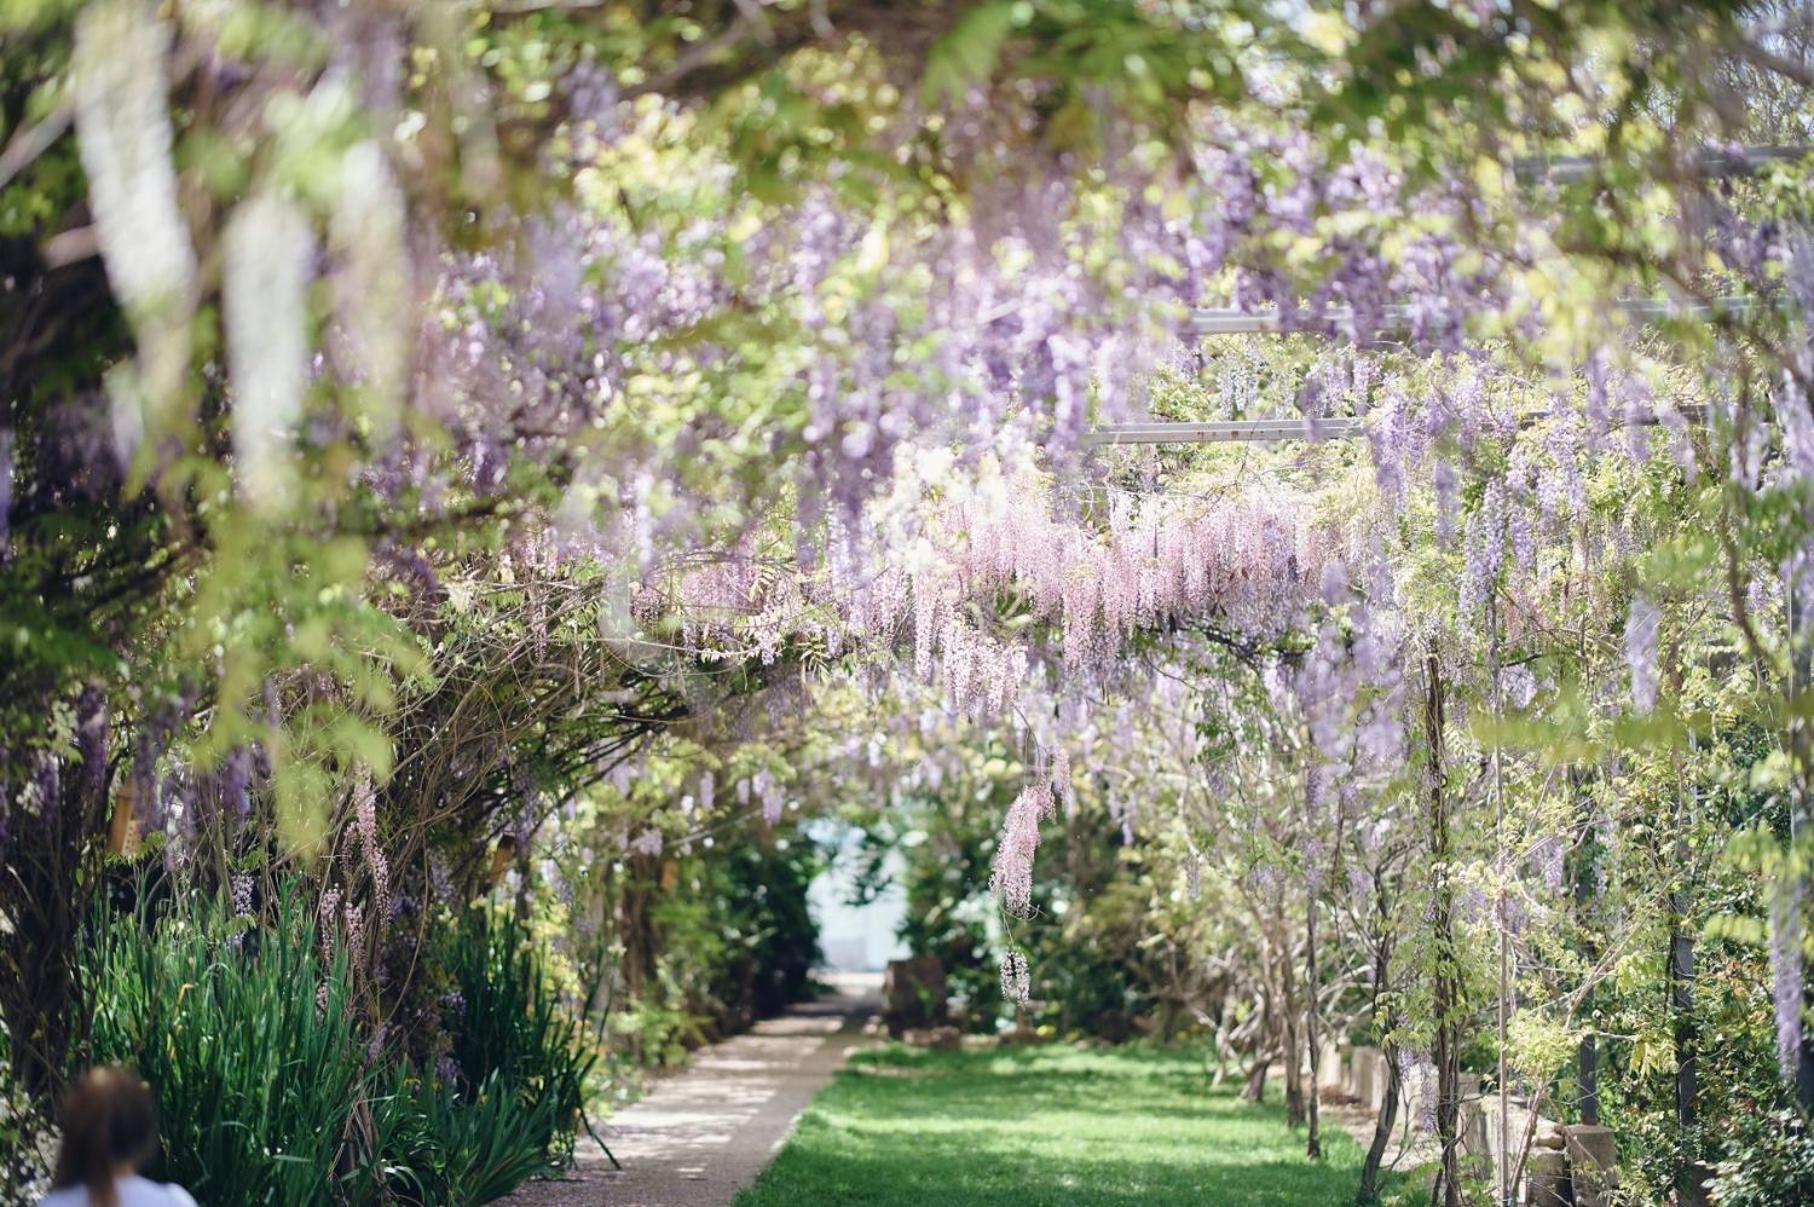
{"x": 703, "y": 1135}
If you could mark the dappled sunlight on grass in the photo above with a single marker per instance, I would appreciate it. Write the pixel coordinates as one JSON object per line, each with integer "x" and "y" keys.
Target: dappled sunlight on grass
{"x": 1046, "y": 1125}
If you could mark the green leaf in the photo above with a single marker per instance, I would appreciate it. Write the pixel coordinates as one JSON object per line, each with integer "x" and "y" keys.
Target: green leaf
{"x": 969, "y": 53}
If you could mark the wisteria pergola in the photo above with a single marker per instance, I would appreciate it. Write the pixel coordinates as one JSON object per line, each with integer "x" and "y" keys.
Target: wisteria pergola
{"x": 527, "y": 457}
{"x": 1339, "y": 322}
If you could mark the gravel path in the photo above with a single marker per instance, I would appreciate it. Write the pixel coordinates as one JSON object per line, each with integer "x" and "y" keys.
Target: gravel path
{"x": 703, "y": 1135}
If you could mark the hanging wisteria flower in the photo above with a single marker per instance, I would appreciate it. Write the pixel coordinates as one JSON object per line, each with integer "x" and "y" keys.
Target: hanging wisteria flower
{"x": 122, "y": 113}
{"x": 355, "y": 933}
{"x": 1484, "y": 549}
{"x": 328, "y": 922}
{"x": 1016, "y": 977}
{"x": 773, "y": 796}
{"x": 1012, "y": 877}
{"x": 1448, "y": 498}
{"x": 365, "y": 818}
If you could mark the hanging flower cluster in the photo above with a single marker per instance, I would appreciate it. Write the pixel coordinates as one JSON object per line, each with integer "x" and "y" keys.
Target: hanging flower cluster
{"x": 1012, "y": 877}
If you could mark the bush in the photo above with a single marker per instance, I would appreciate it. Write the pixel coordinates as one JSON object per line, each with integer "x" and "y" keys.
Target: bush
{"x": 1771, "y": 1161}
{"x": 27, "y": 1142}
{"x": 694, "y": 947}
{"x": 512, "y": 1039}
{"x": 451, "y": 1146}
{"x": 268, "y": 1091}
{"x": 248, "y": 1043}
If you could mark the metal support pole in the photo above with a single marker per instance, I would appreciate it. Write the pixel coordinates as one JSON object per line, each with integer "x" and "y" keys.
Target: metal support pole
{"x": 1795, "y": 594}
{"x": 1740, "y": 161}
{"x": 1264, "y": 431}
{"x": 1505, "y": 954}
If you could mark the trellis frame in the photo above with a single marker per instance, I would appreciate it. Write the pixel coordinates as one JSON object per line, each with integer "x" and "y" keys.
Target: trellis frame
{"x": 1742, "y": 161}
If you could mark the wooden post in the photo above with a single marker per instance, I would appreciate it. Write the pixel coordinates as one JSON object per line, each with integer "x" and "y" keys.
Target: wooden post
{"x": 123, "y": 832}
{"x": 501, "y": 855}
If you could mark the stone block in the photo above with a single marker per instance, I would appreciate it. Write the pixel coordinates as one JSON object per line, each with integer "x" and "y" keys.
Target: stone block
{"x": 1115, "y": 1026}
{"x": 1329, "y": 1067}
{"x": 1475, "y": 1139}
{"x": 944, "y": 1039}
{"x": 914, "y": 993}
{"x": 1546, "y": 1179}
{"x": 1330, "y": 1095}
{"x": 1592, "y": 1162}
{"x": 1366, "y": 1065}
{"x": 1417, "y": 1088}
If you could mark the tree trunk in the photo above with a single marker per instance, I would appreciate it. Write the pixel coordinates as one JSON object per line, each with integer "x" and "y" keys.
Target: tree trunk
{"x": 1221, "y": 1044}
{"x": 1254, "y": 1090}
{"x": 1689, "y": 1176}
{"x": 1313, "y": 1147}
{"x": 1388, "y": 1110}
{"x": 1382, "y": 1132}
{"x": 1288, "y": 1041}
{"x": 53, "y": 870}
{"x": 1446, "y": 1190}
{"x": 1587, "y": 1054}
{"x": 637, "y": 936}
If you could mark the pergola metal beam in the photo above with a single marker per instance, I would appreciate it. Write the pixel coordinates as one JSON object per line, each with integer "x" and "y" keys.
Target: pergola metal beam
{"x": 1738, "y": 161}
{"x": 1268, "y": 431}
{"x": 1397, "y": 318}
{"x": 1227, "y": 431}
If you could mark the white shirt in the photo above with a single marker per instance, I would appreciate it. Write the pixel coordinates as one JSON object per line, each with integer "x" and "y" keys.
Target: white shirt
{"x": 133, "y": 1191}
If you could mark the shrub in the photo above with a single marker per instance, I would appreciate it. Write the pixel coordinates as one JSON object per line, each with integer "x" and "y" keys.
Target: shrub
{"x": 451, "y": 1146}
{"x": 1771, "y": 1161}
{"x": 248, "y": 1043}
{"x": 269, "y": 1092}
{"x": 512, "y": 1038}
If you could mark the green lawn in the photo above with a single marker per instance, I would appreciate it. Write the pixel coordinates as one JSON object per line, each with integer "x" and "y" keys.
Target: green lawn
{"x": 1047, "y": 1125}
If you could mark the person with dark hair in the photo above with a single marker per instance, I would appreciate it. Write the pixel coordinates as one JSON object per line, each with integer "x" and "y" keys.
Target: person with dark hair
{"x": 109, "y": 1131}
